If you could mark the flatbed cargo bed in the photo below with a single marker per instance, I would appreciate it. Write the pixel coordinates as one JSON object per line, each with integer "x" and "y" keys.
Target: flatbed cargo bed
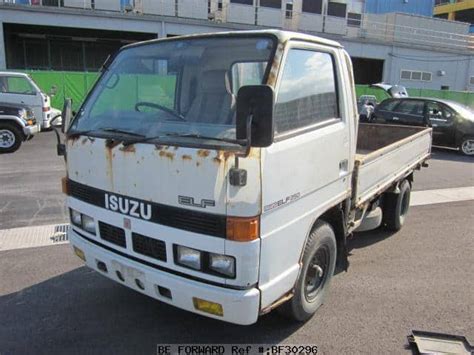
{"x": 385, "y": 154}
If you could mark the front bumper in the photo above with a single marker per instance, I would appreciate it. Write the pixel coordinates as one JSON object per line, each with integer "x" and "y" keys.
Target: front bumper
{"x": 239, "y": 306}
{"x": 31, "y": 130}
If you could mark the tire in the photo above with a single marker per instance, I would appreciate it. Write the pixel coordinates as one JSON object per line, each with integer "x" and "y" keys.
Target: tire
{"x": 319, "y": 261}
{"x": 10, "y": 137}
{"x": 396, "y": 206}
{"x": 467, "y": 146}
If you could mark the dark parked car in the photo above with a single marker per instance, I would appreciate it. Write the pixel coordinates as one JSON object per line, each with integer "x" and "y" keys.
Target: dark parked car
{"x": 453, "y": 123}
{"x": 17, "y": 124}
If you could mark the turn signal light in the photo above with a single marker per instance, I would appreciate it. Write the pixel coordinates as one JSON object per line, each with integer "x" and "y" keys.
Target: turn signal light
{"x": 243, "y": 229}
{"x": 65, "y": 185}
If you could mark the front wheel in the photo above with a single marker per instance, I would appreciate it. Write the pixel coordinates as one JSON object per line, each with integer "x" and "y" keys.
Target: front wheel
{"x": 10, "y": 138}
{"x": 467, "y": 146}
{"x": 319, "y": 261}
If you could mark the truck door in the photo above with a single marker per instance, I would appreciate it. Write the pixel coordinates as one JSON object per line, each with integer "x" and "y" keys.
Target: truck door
{"x": 308, "y": 167}
{"x": 17, "y": 89}
{"x": 442, "y": 121}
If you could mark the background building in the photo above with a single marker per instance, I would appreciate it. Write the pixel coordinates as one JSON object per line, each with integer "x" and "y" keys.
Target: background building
{"x": 395, "y": 41}
{"x": 455, "y": 10}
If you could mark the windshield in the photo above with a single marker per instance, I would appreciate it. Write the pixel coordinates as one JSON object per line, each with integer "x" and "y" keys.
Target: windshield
{"x": 175, "y": 88}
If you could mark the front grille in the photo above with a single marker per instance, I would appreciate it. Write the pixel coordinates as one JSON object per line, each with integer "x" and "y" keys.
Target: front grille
{"x": 176, "y": 217}
{"x": 112, "y": 234}
{"x": 148, "y": 246}
{"x": 85, "y": 193}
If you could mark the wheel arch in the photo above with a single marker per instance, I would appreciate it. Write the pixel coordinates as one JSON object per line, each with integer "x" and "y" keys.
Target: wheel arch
{"x": 336, "y": 218}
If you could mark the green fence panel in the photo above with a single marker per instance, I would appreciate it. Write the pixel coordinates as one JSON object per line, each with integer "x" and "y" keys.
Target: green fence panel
{"x": 77, "y": 84}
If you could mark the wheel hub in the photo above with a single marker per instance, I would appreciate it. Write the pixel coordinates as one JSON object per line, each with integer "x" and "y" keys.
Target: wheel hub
{"x": 468, "y": 147}
{"x": 316, "y": 273}
{"x": 7, "y": 139}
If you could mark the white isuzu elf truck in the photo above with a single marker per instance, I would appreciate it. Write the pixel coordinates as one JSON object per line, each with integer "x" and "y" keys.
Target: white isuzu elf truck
{"x": 222, "y": 173}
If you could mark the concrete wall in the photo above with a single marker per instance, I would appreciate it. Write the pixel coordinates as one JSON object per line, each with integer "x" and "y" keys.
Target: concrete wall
{"x": 457, "y": 68}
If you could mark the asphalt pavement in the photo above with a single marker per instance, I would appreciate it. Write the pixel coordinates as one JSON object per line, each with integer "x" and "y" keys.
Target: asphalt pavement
{"x": 419, "y": 278}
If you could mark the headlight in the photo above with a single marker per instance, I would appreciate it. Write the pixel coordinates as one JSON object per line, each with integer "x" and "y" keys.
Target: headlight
{"x": 76, "y": 218}
{"x": 83, "y": 221}
{"x": 222, "y": 264}
{"x": 188, "y": 257}
{"x": 88, "y": 224}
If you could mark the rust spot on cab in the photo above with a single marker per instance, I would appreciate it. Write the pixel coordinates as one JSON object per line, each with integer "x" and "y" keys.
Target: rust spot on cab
{"x": 198, "y": 163}
{"x": 128, "y": 149}
{"x": 217, "y": 160}
{"x": 166, "y": 154}
{"x": 84, "y": 140}
{"x": 111, "y": 144}
{"x": 186, "y": 157}
{"x": 203, "y": 153}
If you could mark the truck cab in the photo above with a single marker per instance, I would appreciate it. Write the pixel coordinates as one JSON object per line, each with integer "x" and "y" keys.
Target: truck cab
{"x": 215, "y": 172}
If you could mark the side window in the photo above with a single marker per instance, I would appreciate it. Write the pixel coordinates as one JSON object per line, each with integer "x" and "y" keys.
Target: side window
{"x": 388, "y": 105}
{"x": 439, "y": 114}
{"x": 411, "y": 107}
{"x": 307, "y": 92}
{"x": 16, "y": 85}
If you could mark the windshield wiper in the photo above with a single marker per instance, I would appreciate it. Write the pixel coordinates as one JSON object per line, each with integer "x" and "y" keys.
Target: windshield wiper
{"x": 183, "y": 135}
{"x": 108, "y": 130}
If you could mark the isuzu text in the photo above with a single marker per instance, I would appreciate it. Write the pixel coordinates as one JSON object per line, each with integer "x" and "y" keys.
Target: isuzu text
{"x": 223, "y": 173}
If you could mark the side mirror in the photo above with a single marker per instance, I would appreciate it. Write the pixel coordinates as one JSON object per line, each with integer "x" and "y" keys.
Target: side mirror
{"x": 66, "y": 115}
{"x": 255, "y": 107}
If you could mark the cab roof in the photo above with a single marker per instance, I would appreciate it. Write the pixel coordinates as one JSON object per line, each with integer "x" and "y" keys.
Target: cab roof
{"x": 281, "y": 36}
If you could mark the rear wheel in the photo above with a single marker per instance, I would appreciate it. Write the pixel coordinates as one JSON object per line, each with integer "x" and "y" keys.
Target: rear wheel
{"x": 467, "y": 146}
{"x": 10, "y": 138}
{"x": 395, "y": 207}
{"x": 319, "y": 261}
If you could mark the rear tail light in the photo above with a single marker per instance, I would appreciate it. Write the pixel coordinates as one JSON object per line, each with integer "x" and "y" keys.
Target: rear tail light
{"x": 46, "y": 108}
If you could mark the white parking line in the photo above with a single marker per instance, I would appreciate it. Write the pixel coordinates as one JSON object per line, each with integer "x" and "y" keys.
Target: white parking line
{"x": 430, "y": 197}
{"x": 39, "y": 236}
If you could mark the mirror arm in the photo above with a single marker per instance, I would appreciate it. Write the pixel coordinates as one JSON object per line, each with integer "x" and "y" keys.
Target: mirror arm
{"x": 237, "y": 176}
{"x": 248, "y": 141}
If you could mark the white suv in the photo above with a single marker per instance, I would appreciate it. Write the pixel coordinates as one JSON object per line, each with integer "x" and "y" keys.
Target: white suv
{"x": 19, "y": 88}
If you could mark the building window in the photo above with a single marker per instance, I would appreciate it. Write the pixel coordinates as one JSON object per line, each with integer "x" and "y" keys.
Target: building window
{"x": 354, "y": 19}
{"x": 415, "y": 75}
{"x": 307, "y": 94}
{"x": 219, "y": 5}
{"x": 243, "y": 2}
{"x": 276, "y": 4}
{"x": 313, "y": 6}
{"x": 336, "y": 9}
{"x": 405, "y": 75}
{"x": 426, "y": 76}
{"x": 289, "y": 10}
{"x": 471, "y": 80}
{"x": 444, "y": 87}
